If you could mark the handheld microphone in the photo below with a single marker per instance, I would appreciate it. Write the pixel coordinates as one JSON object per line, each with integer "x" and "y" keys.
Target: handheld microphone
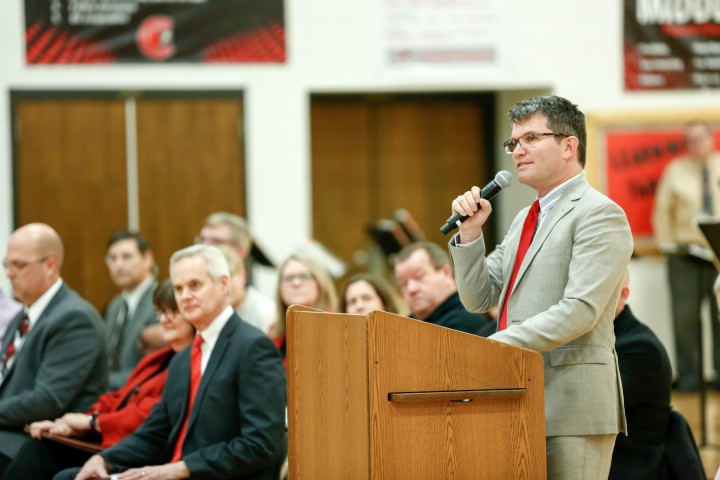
{"x": 502, "y": 179}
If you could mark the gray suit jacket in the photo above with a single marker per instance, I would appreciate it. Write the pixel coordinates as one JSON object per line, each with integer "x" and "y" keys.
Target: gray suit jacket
{"x": 563, "y": 304}
{"x": 130, "y": 355}
{"x": 61, "y": 367}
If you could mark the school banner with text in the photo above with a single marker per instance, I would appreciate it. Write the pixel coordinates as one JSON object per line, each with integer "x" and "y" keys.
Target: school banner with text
{"x": 635, "y": 161}
{"x": 671, "y": 44}
{"x": 154, "y": 31}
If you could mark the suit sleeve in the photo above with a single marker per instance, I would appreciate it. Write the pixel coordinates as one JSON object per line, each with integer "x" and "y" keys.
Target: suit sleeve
{"x": 149, "y": 442}
{"x": 261, "y": 405}
{"x": 643, "y": 372}
{"x": 479, "y": 278}
{"x": 70, "y": 353}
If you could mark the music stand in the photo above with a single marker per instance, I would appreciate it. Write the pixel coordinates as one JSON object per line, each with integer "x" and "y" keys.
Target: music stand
{"x": 710, "y": 228}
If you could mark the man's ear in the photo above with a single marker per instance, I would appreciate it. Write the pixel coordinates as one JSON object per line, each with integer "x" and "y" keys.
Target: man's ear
{"x": 570, "y": 146}
{"x": 447, "y": 270}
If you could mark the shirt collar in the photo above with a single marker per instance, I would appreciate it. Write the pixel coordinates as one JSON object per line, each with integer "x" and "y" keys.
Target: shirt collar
{"x": 132, "y": 298}
{"x": 35, "y": 310}
{"x": 212, "y": 331}
{"x": 547, "y": 202}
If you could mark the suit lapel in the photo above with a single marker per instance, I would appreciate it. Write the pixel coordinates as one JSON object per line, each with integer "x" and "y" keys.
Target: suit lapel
{"x": 213, "y": 365}
{"x": 564, "y": 205}
{"x": 10, "y": 336}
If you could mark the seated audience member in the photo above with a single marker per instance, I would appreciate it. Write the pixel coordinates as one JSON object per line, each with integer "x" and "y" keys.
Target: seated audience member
{"x": 130, "y": 317}
{"x": 222, "y": 412}
{"x": 9, "y": 308}
{"x": 53, "y": 353}
{"x": 222, "y": 228}
{"x": 423, "y": 272}
{"x": 302, "y": 280}
{"x": 116, "y": 414}
{"x": 646, "y": 380}
{"x": 363, "y": 293}
{"x": 261, "y": 315}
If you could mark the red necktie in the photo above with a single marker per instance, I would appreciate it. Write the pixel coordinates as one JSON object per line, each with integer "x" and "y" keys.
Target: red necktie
{"x": 195, "y": 374}
{"x": 526, "y": 237}
{"x": 22, "y": 329}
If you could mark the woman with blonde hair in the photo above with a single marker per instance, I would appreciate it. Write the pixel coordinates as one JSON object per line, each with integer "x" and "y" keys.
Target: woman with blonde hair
{"x": 302, "y": 280}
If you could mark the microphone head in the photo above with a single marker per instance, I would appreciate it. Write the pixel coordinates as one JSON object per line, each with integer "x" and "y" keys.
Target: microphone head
{"x": 503, "y": 178}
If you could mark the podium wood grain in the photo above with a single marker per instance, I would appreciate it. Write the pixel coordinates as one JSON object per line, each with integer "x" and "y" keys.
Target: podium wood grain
{"x": 387, "y": 397}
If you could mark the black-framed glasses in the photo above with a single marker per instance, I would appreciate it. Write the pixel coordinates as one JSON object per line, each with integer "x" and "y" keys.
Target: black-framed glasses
{"x": 528, "y": 140}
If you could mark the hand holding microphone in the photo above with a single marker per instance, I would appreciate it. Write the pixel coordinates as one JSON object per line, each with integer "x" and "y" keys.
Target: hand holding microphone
{"x": 502, "y": 179}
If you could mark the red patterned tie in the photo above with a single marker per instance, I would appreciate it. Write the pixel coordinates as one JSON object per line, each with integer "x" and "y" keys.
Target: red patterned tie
{"x": 526, "y": 237}
{"x": 195, "y": 375}
{"x": 23, "y": 328}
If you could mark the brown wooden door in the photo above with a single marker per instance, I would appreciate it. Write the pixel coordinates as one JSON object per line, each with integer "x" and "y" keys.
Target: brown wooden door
{"x": 190, "y": 164}
{"x": 70, "y": 174}
{"x": 371, "y": 157}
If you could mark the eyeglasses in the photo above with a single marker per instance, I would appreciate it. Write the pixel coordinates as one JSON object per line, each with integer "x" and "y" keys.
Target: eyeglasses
{"x": 167, "y": 312}
{"x": 301, "y": 277}
{"x": 19, "y": 266}
{"x": 528, "y": 140}
{"x": 213, "y": 241}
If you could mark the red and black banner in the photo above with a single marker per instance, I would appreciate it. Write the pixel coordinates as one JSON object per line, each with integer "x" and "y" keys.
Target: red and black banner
{"x": 635, "y": 161}
{"x": 671, "y": 44}
{"x": 154, "y": 31}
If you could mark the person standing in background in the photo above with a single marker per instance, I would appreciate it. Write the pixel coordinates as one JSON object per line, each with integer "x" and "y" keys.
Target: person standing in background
{"x": 688, "y": 190}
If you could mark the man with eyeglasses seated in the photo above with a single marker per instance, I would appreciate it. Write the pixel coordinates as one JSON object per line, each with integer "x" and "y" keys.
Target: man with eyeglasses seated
{"x": 556, "y": 277}
{"x": 53, "y": 356}
{"x": 232, "y": 231}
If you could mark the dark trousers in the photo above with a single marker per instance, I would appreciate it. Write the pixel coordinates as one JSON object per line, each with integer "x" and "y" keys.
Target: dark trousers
{"x": 691, "y": 280}
{"x": 42, "y": 459}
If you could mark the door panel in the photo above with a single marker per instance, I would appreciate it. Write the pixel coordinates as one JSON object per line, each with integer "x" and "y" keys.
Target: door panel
{"x": 342, "y": 176}
{"x": 190, "y": 164}
{"x": 371, "y": 157}
{"x": 70, "y": 174}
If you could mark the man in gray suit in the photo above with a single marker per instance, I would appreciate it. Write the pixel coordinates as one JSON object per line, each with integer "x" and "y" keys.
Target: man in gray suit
{"x": 53, "y": 356}
{"x": 560, "y": 298}
{"x": 132, "y": 329}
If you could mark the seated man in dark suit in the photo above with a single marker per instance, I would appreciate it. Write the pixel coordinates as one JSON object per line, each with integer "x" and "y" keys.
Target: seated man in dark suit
{"x": 53, "y": 353}
{"x": 130, "y": 317}
{"x": 222, "y": 413}
{"x": 425, "y": 277}
{"x": 646, "y": 379}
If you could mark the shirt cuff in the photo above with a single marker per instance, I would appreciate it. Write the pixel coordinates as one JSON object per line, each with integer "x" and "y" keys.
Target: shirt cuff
{"x": 456, "y": 241}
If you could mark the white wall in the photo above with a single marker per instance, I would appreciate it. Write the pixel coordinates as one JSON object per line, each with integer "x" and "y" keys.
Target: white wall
{"x": 568, "y": 47}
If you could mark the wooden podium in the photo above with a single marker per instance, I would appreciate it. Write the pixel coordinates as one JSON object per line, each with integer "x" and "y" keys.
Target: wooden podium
{"x": 387, "y": 397}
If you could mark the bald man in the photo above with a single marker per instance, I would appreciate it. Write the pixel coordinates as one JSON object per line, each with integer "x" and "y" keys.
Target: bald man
{"x": 52, "y": 357}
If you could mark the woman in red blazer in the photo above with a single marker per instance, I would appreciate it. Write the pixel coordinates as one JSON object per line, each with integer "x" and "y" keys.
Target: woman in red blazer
{"x": 115, "y": 414}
